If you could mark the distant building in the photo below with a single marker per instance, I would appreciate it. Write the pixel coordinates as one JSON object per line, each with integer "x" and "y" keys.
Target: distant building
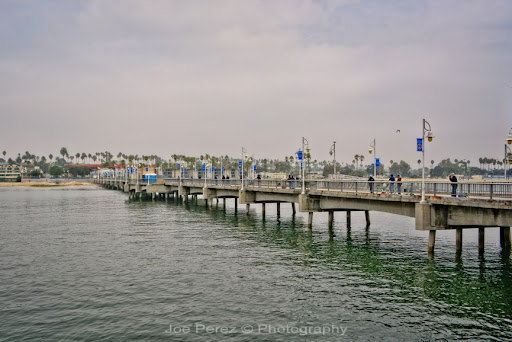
{"x": 10, "y": 173}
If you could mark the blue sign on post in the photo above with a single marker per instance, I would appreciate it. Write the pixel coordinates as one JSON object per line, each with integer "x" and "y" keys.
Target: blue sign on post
{"x": 300, "y": 155}
{"x": 419, "y": 144}
{"x": 204, "y": 167}
{"x": 179, "y": 166}
{"x": 147, "y": 169}
{"x": 377, "y": 162}
{"x": 301, "y": 165}
{"x": 240, "y": 165}
{"x": 254, "y": 168}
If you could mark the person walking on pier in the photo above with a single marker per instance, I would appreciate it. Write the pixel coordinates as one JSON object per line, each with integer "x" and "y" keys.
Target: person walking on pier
{"x": 453, "y": 179}
{"x": 391, "y": 184}
{"x": 399, "y": 184}
{"x": 371, "y": 183}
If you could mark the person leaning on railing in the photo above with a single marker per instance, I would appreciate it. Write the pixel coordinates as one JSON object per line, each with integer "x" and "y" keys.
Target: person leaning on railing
{"x": 371, "y": 183}
{"x": 453, "y": 179}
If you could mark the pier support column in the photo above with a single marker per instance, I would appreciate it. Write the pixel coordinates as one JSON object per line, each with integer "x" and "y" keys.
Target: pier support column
{"x": 330, "y": 219}
{"x": 349, "y": 219}
{"x": 236, "y": 203}
{"x": 481, "y": 239}
{"x": 505, "y": 237}
{"x": 206, "y": 202}
{"x": 278, "y": 209}
{"x": 367, "y": 216}
{"x": 224, "y": 203}
{"x": 263, "y": 210}
{"x": 431, "y": 241}
{"x": 310, "y": 220}
{"x": 458, "y": 239}
{"x": 293, "y": 209}
{"x": 247, "y": 208}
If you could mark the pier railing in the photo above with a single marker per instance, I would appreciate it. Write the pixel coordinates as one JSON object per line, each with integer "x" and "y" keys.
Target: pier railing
{"x": 487, "y": 190}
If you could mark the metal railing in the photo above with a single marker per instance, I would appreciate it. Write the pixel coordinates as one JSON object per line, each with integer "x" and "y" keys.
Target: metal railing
{"x": 485, "y": 190}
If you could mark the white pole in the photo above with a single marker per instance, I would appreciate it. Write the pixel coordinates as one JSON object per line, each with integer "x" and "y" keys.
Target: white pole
{"x": 423, "y": 165}
{"x": 242, "y": 169}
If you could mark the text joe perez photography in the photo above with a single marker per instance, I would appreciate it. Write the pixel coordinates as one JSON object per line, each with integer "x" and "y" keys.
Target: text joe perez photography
{"x": 269, "y": 329}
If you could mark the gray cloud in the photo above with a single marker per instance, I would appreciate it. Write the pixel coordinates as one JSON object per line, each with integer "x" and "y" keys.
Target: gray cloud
{"x": 170, "y": 77}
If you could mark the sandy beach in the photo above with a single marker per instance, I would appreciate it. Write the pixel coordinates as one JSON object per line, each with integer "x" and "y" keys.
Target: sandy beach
{"x": 44, "y": 184}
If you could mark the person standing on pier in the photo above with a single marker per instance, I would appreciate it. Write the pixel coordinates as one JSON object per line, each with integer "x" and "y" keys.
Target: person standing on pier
{"x": 391, "y": 184}
{"x": 453, "y": 179}
{"x": 399, "y": 184}
{"x": 371, "y": 183}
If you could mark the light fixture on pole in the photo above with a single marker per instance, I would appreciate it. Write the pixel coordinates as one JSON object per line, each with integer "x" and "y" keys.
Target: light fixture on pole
{"x": 373, "y": 149}
{"x": 305, "y": 148}
{"x": 430, "y": 136}
{"x": 332, "y": 152}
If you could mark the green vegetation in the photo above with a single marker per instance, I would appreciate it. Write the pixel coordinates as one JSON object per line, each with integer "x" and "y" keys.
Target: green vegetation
{"x": 35, "y": 173}
{"x": 56, "y": 171}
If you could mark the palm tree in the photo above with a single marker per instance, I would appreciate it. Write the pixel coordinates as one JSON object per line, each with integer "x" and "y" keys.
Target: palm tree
{"x": 361, "y": 158}
{"x": 51, "y": 157}
{"x": 64, "y": 152}
{"x": 419, "y": 166}
{"x": 356, "y": 158}
{"x": 4, "y": 153}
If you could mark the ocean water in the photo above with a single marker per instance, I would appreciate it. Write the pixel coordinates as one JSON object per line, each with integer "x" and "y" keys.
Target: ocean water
{"x": 87, "y": 264}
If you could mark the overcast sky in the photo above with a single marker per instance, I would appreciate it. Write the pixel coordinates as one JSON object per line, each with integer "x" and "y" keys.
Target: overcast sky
{"x": 195, "y": 77}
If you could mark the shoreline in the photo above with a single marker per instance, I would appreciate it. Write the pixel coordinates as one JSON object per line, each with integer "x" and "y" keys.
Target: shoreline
{"x": 44, "y": 184}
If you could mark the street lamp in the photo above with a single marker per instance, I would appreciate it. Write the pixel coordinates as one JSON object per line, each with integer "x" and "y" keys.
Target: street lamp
{"x": 333, "y": 153}
{"x": 430, "y": 136}
{"x": 244, "y": 156}
{"x": 305, "y": 148}
{"x": 507, "y": 159}
{"x": 373, "y": 148}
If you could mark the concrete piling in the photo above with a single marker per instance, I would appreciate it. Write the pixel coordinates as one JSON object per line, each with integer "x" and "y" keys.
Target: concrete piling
{"x": 431, "y": 241}
{"x": 458, "y": 239}
{"x": 481, "y": 238}
{"x": 263, "y": 210}
{"x": 349, "y": 219}
{"x": 505, "y": 237}
{"x": 310, "y": 220}
{"x": 247, "y": 207}
{"x": 330, "y": 220}
{"x": 293, "y": 209}
{"x": 367, "y": 216}
{"x": 278, "y": 209}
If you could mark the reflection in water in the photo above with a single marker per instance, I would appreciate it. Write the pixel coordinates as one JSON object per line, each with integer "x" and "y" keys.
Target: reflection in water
{"x": 468, "y": 290}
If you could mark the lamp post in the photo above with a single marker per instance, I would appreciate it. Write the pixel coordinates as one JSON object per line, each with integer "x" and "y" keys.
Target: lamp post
{"x": 305, "y": 147}
{"x": 507, "y": 159}
{"x": 333, "y": 153}
{"x": 430, "y": 136}
{"x": 507, "y": 151}
{"x": 373, "y": 148}
{"x": 244, "y": 155}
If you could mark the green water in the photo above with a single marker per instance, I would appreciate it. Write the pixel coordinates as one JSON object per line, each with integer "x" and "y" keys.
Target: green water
{"x": 90, "y": 265}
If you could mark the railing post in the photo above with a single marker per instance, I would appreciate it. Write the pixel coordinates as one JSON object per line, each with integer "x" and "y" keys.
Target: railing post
{"x": 356, "y": 186}
{"x": 435, "y": 189}
{"x": 491, "y": 190}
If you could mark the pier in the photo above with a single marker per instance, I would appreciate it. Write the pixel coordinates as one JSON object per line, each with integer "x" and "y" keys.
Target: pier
{"x": 476, "y": 205}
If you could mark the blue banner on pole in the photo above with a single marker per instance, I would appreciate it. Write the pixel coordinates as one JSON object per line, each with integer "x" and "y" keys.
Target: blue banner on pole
{"x": 300, "y": 155}
{"x": 377, "y": 162}
{"x": 179, "y": 165}
{"x": 147, "y": 169}
{"x": 255, "y": 168}
{"x": 419, "y": 144}
{"x": 204, "y": 167}
{"x": 301, "y": 165}
{"x": 239, "y": 164}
